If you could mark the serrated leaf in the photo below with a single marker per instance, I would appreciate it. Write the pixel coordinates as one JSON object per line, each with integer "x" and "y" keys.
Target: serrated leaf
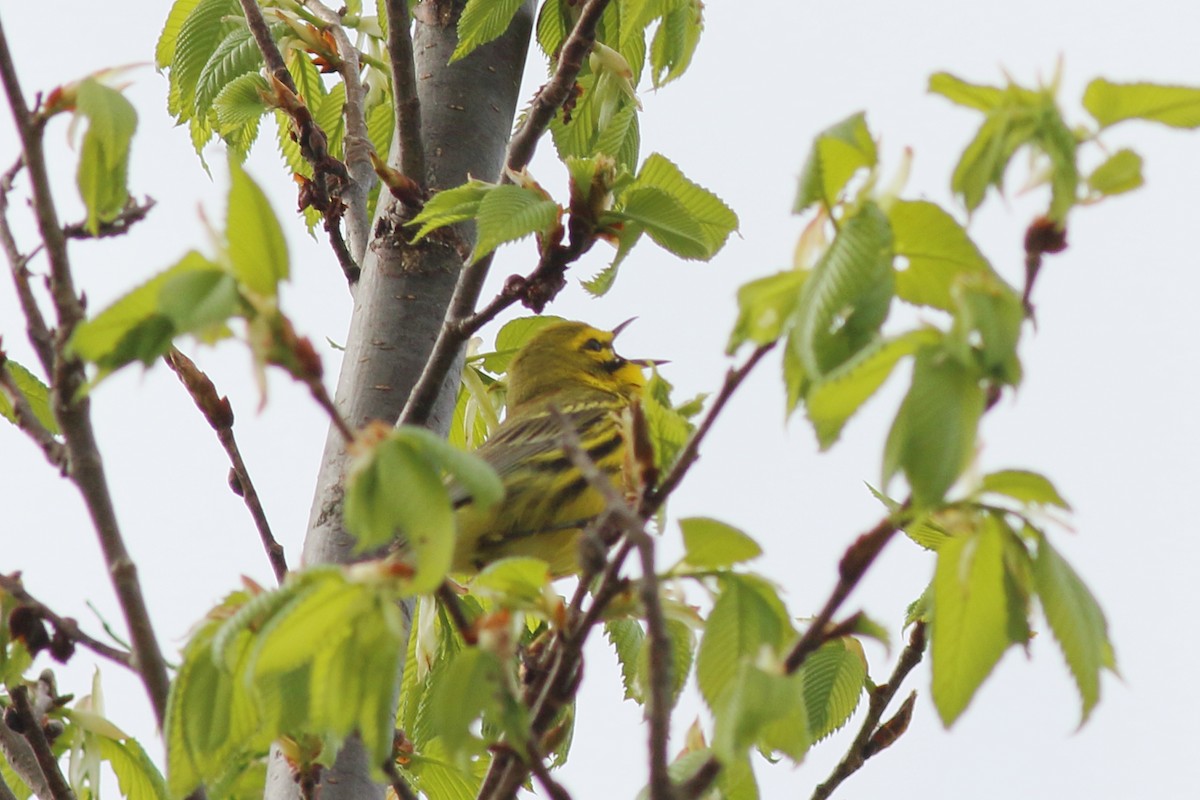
{"x": 508, "y": 213}
{"x": 1025, "y": 486}
{"x": 257, "y": 250}
{"x": 621, "y": 138}
{"x": 481, "y": 22}
{"x": 746, "y": 616}
{"x": 761, "y": 709}
{"x": 832, "y": 399}
{"x": 937, "y": 249}
{"x": 847, "y": 298}
{"x": 682, "y": 645}
{"x": 240, "y": 102}
{"x": 1076, "y": 620}
{"x": 1110, "y": 103}
{"x": 199, "y": 35}
{"x": 715, "y": 218}
{"x": 330, "y": 114}
{"x": 710, "y": 544}
{"x": 164, "y": 50}
{"x": 765, "y": 307}
{"x": 104, "y": 154}
{"x": 236, "y": 56}
{"x": 970, "y": 616}
{"x": 972, "y": 95}
{"x": 1121, "y": 172}
{"x": 552, "y": 28}
{"x": 36, "y": 394}
{"x": 933, "y": 435}
{"x": 664, "y": 218}
{"x": 833, "y": 679}
{"x": 837, "y": 153}
{"x": 434, "y": 773}
{"x": 626, "y": 636}
{"x": 675, "y": 42}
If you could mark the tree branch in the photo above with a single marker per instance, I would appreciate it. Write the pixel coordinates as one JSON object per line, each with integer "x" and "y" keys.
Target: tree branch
{"x": 520, "y": 151}
{"x": 67, "y": 626}
{"x": 31, "y": 728}
{"x": 404, "y": 88}
{"x": 72, "y": 407}
{"x": 35, "y": 324}
{"x": 873, "y": 738}
{"x": 658, "y": 701}
{"x": 219, "y": 414}
{"x": 399, "y": 785}
{"x": 119, "y": 225}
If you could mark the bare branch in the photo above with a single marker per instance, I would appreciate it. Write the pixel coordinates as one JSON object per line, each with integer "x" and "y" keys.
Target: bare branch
{"x": 12, "y": 585}
{"x": 658, "y": 701}
{"x": 872, "y": 737}
{"x": 219, "y": 414}
{"x": 537, "y": 765}
{"x": 35, "y": 324}
{"x": 456, "y": 329}
{"x": 117, "y": 226}
{"x": 30, "y": 727}
{"x": 404, "y": 86}
{"x": 28, "y": 422}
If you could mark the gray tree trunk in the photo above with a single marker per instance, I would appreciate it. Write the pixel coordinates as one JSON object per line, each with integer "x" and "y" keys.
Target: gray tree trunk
{"x": 467, "y": 112}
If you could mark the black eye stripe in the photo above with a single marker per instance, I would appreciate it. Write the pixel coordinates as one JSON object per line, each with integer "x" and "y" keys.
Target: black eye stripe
{"x": 613, "y": 365}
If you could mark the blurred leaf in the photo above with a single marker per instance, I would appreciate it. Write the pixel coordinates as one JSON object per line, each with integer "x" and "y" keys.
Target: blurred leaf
{"x": 933, "y": 435}
{"x": 709, "y": 544}
{"x": 1121, "y": 172}
{"x": 746, "y": 616}
{"x": 675, "y": 41}
{"x": 837, "y": 153}
{"x": 987, "y": 327}
{"x": 972, "y": 95}
{"x": 471, "y": 686}
{"x": 257, "y": 249}
{"x": 104, "y": 155}
{"x": 36, "y": 393}
{"x": 517, "y": 581}
{"x": 512, "y": 337}
{"x": 1024, "y": 486}
{"x": 937, "y": 250}
{"x": 765, "y": 308}
{"x": 137, "y": 777}
{"x": 1076, "y": 621}
{"x": 761, "y": 709}
{"x": 970, "y": 616}
{"x": 1110, "y": 103}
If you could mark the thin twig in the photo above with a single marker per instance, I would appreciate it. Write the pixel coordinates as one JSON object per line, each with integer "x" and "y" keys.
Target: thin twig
{"x": 520, "y": 150}
{"x": 72, "y": 407}
{"x": 537, "y": 765}
{"x": 317, "y": 389}
{"x": 658, "y": 700}
{"x": 873, "y": 738}
{"x": 404, "y": 87}
{"x": 31, "y": 729}
{"x": 454, "y": 608}
{"x": 12, "y": 585}
{"x": 219, "y": 415}
{"x": 119, "y": 225}
{"x": 28, "y": 422}
{"x": 399, "y": 785}
{"x": 35, "y": 324}
{"x": 691, "y": 451}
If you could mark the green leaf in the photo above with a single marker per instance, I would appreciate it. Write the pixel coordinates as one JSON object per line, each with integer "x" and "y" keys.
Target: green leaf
{"x": 1121, "y": 172}
{"x": 470, "y": 687}
{"x": 1030, "y": 488}
{"x": 257, "y": 249}
{"x": 516, "y": 582}
{"x": 200, "y": 32}
{"x": 833, "y": 679}
{"x": 626, "y": 636}
{"x": 104, "y": 154}
{"x": 972, "y": 95}
{"x": 987, "y": 327}
{"x": 970, "y": 616}
{"x": 837, "y": 153}
{"x": 675, "y": 41}
{"x": 746, "y": 616}
{"x": 450, "y": 206}
{"x": 933, "y": 435}
{"x": 709, "y": 544}
{"x": 765, "y": 308}
{"x": 1076, "y": 621}
{"x": 665, "y": 219}
{"x": 621, "y": 138}
{"x": 682, "y": 647}
{"x": 508, "y": 213}
{"x": 36, "y": 394}
{"x": 330, "y": 114}
{"x": 833, "y": 398}
{"x": 240, "y": 102}
{"x": 761, "y": 709}
{"x": 847, "y": 298}
{"x": 715, "y": 218}
{"x": 552, "y": 27}
{"x": 199, "y": 301}
{"x": 164, "y": 50}
{"x": 235, "y": 57}
{"x": 137, "y": 777}
{"x": 433, "y": 773}
{"x": 474, "y": 474}
{"x": 1110, "y": 103}
{"x": 481, "y": 22}
{"x": 133, "y": 328}
{"x": 938, "y": 251}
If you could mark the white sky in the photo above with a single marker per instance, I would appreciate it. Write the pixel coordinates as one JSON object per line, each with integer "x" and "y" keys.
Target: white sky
{"x": 1106, "y": 410}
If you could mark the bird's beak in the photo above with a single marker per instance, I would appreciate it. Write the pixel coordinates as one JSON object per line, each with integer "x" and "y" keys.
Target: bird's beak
{"x": 641, "y": 362}
{"x": 617, "y": 330}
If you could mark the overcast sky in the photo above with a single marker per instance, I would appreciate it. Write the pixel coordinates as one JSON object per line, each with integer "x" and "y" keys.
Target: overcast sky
{"x": 1107, "y": 408}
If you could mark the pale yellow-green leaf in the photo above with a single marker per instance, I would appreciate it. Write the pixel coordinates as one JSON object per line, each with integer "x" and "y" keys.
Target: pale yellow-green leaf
{"x": 257, "y": 249}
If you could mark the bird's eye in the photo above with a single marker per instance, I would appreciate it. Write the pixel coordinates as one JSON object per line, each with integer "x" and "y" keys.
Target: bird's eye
{"x": 595, "y": 345}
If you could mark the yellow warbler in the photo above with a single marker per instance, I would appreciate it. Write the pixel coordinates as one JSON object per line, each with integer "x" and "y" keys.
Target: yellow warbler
{"x": 571, "y": 368}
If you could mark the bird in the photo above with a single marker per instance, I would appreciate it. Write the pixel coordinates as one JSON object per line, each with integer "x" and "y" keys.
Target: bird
{"x": 567, "y": 373}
